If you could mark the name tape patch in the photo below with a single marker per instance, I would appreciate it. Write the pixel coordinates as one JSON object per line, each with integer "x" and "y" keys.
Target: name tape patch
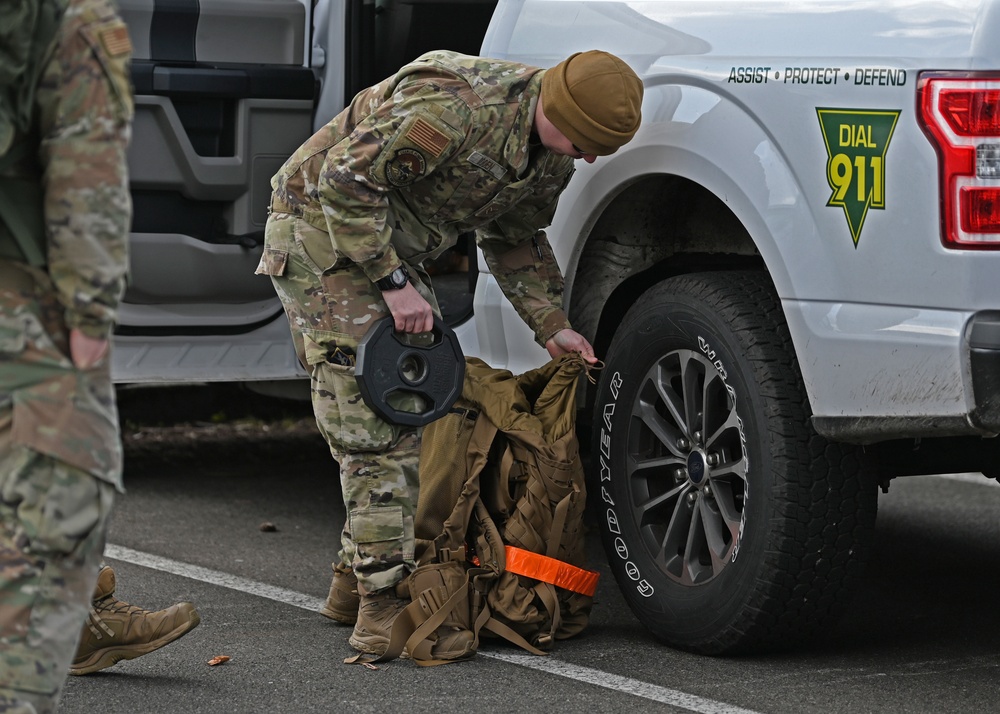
{"x": 487, "y": 164}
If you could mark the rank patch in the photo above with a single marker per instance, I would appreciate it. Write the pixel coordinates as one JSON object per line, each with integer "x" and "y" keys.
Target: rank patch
{"x": 405, "y": 167}
{"x": 427, "y": 137}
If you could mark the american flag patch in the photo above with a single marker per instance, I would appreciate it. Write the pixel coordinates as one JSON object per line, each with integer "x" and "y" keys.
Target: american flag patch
{"x": 115, "y": 40}
{"x": 427, "y": 137}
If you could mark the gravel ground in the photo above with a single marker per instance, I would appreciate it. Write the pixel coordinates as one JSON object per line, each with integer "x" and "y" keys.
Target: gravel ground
{"x": 213, "y": 421}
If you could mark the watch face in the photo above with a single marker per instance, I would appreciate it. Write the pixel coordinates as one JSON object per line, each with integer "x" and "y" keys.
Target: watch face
{"x": 396, "y": 280}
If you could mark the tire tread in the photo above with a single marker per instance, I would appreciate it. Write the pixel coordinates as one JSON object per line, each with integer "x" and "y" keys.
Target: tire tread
{"x": 821, "y": 531}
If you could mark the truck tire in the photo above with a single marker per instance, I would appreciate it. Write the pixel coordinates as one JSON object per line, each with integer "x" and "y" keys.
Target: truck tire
{"x": 729, "y": 524}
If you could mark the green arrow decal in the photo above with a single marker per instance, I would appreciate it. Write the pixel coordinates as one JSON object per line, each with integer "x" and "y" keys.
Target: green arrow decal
{"x": 856, "y": 142}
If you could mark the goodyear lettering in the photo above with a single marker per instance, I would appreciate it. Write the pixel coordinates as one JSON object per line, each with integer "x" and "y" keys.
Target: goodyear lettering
{"x": 749, "y": 75}
{"x": 621, "y": 549}
{"x": 856, "y": 145}
{"x": 609, "y": 411}
{"x": 880, "y": 77}
{"x": 613, "y": 523}
{"x": 616, "y": 384}
{"x": 811, "y": 75}
{"x": 643, "y": 586}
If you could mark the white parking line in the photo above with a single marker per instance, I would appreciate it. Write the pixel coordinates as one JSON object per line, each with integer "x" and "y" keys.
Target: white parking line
{"x": 600, "y": 678}
{"x": 549, "y": 665}
{"x": 213, "y": 577}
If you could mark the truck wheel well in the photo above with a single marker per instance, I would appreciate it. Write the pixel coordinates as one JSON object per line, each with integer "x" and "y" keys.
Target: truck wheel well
{"x": 656, "y": 228}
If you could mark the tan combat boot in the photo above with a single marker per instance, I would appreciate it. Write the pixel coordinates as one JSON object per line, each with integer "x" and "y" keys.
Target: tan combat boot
{"x": 116, "y": 630}
{"x": 376, "y": 614}
{"x": 343, "y": 601}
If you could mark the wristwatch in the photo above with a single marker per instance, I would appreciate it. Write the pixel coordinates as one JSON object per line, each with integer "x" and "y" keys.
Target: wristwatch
{"x": 396, "y": 280}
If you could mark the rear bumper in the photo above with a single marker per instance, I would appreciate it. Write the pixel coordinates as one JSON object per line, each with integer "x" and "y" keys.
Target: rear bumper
{"x": 984, "y": 358}
{"x": 881, "y": 372}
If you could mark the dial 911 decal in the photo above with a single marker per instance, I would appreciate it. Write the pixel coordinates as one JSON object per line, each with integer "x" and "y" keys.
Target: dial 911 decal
{"x": 856, "y": 144}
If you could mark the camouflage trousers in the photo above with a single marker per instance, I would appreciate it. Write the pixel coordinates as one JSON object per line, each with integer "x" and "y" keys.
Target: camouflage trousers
{"x": 329, "y": 307}
{"x": 60, "y": 463}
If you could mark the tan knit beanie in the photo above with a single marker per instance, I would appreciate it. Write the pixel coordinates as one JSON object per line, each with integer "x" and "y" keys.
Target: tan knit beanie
{"x": 594, "y": 98}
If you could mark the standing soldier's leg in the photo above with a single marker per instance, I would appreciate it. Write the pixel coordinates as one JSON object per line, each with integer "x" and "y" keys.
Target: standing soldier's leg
{"x": 378, "y": 477}
{"x": 330, "y": 307}
{"x": 60, "y": 461}
{"x": 48, "y": 566}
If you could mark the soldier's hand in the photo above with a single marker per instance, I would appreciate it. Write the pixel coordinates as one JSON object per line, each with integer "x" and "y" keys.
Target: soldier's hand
{"x": 570, "y": 341}
{"x": 86, "y": 352}
{"x": 410, "y": 311}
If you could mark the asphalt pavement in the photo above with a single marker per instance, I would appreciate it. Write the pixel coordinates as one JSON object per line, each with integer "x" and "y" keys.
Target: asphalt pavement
{"x": 242, "y": 518}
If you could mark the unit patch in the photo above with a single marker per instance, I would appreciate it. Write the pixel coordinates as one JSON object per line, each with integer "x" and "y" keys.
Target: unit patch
{"x": 405, "y": 167}
{"x": 856, "y": 144}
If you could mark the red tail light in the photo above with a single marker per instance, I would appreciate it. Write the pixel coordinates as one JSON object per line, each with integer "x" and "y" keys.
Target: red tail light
{"x": 980, "y": 209}
{"x": 971, "y": 111}
{"x": 960, "y": 112}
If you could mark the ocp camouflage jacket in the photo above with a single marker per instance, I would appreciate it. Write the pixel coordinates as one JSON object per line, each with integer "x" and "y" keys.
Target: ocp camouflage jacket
{"x": 446, "y": 146}
{"x": 74, "y": 156}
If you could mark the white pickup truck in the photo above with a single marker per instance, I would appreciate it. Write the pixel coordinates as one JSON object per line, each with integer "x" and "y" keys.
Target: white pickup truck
{"x": 792, "y": 272}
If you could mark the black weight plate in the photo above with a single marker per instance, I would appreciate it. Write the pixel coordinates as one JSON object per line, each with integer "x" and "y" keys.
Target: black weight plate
{"x": 387, "y": 366}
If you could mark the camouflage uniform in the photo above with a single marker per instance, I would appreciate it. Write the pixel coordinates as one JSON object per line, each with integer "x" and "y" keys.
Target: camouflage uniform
{"x": 60, "y": 452}
{"x": 441, "y": 148}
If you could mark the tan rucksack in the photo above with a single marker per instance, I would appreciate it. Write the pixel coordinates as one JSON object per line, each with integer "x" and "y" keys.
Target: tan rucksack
{"x": 499, "y": 522}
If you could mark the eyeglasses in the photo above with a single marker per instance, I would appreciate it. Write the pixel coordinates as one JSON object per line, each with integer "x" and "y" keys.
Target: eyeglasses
{"x": 580, "y": 151}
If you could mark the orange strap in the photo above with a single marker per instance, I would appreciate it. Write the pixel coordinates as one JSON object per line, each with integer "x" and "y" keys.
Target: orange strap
{"x": 549, "y": 570}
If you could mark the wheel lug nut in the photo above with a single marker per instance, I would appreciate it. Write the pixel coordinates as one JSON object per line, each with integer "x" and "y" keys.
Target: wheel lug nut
{"x": 683, "y": 444}
{"x": 713, "y": 459}
{"x": 692, "y": 498}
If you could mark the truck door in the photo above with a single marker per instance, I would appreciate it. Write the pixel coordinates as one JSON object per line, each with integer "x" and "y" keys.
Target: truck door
{"x": 224, "y": 94}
